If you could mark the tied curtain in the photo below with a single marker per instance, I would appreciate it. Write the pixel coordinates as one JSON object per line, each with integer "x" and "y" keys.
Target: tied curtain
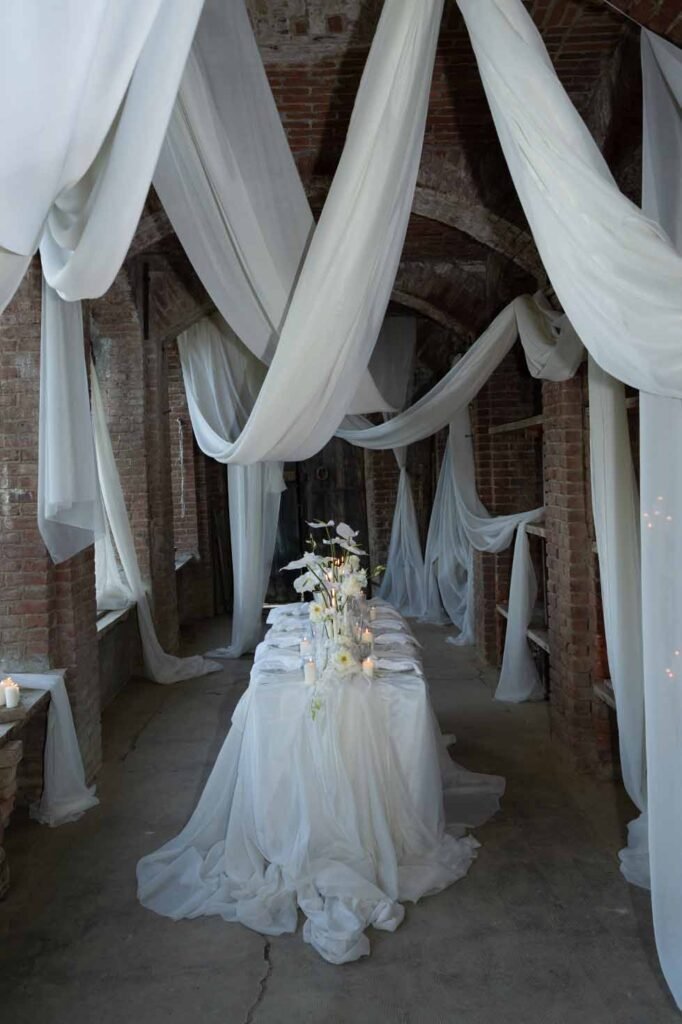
{"x": 81, "y": 138}
{"x": 618, "y": 276}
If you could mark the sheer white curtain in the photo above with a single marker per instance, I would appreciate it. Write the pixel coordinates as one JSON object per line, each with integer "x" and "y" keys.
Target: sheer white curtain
{"x": 551, "y": 348}
{"x": 615, "y": 501}
{"x": 619, "y": 279}
{"x": 661, "y": 507}
{"x": 222, "y": 379}
{"x": 230, "y": 186}
{"x": 467, "y": 528}
{"x": 87, "y": 90}
{"x": 339, "y": 302}
{"x": 392, "y": 367}
{"x": 615, "y": 271}
{"x": 159, "y": 666}
{"x": 65, "y": 796}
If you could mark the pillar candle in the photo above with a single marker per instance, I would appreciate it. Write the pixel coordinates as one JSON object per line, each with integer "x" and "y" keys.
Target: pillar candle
{"x": 12, "y": 695}
{"x": 368, "y": 667}
{"x": 367, "y": 637}
{"x": 305, "y": 647}
{"x": 310, "y": 672}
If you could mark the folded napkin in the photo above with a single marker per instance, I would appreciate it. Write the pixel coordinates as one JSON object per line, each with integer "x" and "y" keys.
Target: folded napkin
{"x": 299, "y": 609}
{"x": 278, "y": 661}
{"x": 385, "y": 639}
{"x": 399, "y": 665}
{"x": 273, "y": 639}
{"x": 394, "y": 624}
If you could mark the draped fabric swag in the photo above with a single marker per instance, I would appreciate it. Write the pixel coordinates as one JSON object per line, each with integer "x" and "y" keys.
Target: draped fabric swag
{"x": 79, "y": 150}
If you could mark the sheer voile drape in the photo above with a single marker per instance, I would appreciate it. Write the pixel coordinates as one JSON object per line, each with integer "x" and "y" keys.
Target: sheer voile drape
{"x": 392, "y": 367}
{"x": 89, "y": 89}
{"x": 661, "y": 508}
{"x": 159, "y": 666}
{"x": 222, "y": 378}
{"x": 459, "y": 522}
{"x": 619, "y": 278}
{"x": 460, "y": 525}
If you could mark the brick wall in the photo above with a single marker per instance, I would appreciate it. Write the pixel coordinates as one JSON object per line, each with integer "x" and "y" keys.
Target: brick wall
{"x": 509, "y": 479}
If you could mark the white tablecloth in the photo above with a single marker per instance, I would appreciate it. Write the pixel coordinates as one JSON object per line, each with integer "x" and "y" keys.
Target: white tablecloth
{"x": 342, "y": 815}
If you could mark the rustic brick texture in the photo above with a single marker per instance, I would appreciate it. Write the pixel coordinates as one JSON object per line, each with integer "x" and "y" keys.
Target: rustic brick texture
{"x": 509, "y": 479}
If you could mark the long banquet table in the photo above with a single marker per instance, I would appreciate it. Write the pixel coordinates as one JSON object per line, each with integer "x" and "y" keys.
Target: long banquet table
{"x": 345, "y": 814}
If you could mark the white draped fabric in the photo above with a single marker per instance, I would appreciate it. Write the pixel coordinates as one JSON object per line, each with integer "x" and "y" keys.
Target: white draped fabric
{"x": 343, "y": 815}
{"x": 392, "y": 366}
{"x": 661, "y": 507}
{"x": 222, "y": 379}
{"x": 230, "y": 186}
{"x": 159, "y": 666}
{"x": 89, "y": 89}
{"x": 69, "y": 506}
{"x": 459, "y": 522}
{"x": 65, "y": 796}
{"x": 550, "y": 346}
{"x": 615, "y": 503}
{"x": 345, "y": 282}
{"x": 461, "y": 525}
{"x": 615, "y": 272}
{"x": 619, "y": 279}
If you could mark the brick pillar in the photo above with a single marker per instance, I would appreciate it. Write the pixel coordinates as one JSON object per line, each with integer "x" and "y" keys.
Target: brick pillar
{"x": 160, "y": 495}
{"x": 509, "y": 479}
{"x": 570, "y": 570}
{"x": 47, "y": 612}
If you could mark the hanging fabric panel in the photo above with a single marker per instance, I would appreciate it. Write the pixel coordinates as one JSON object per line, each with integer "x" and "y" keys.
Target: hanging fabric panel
{"x": 222, "y": 379}
{"x": 229, "y": 184}
{"x": 615, "y": 503}
{"x": 549, "y": 343}
{"x": 661, "y": 508}
{"x": 615, "y": 272}
{"x": 159, "y": 666}
{"x": 89, "y": 89}
{"x": 392, "y": 367}
{"x": 345, "y": 283}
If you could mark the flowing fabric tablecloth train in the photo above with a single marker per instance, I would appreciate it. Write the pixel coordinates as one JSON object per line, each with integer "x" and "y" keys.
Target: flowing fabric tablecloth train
{"x": 345, "y": 815}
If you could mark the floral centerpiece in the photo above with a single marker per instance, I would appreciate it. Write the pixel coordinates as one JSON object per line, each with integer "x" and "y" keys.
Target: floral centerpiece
{"x": 332, "y": 574}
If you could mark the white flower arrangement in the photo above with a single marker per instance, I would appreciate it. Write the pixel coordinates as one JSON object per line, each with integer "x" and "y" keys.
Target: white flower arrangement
{"x": 332, "y": 579}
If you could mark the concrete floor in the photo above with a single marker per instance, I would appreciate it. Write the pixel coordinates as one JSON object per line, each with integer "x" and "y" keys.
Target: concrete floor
{"x": 543, "y": 930}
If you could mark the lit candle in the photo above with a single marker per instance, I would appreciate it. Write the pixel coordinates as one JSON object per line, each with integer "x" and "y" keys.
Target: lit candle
{"x": 372, "y": 614}
{"x": 367, "y": 637}
{"x": 4, "y": 683}
{"x": 305, "y": 647}
{"x": 310, "y": 672}
{"x": 12, "y": 694}
{"x": 368, "y": 667}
